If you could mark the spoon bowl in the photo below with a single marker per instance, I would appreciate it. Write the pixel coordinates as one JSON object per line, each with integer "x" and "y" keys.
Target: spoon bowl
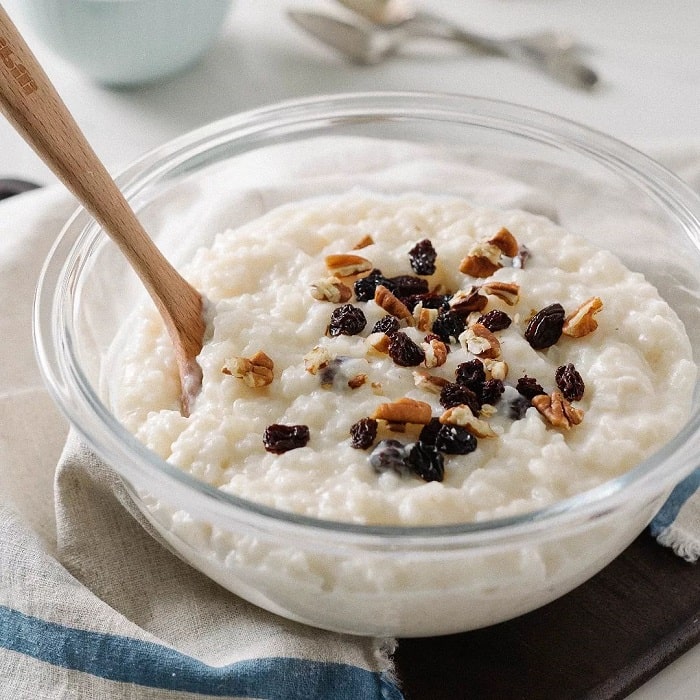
{"x": 392, "y": 23}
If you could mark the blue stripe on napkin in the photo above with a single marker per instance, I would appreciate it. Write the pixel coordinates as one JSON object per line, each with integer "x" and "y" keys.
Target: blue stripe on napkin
{"x": 669, "y": 512}
{"x": 127, "y": 660}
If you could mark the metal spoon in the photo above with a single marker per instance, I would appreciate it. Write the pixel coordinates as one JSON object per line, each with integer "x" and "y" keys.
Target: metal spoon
{"x": 394, "y": 23}
{"x": 34, "y": 108}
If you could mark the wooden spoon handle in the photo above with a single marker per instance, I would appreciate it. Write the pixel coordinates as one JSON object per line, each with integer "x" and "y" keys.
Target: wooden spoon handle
{"x": 32, "y": 105}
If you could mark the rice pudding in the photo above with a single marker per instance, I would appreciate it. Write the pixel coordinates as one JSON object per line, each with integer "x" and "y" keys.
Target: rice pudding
{"x": 410, "y": 360}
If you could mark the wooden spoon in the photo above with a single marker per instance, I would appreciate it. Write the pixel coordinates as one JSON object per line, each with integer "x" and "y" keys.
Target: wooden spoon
{"x": 32, "y": 105}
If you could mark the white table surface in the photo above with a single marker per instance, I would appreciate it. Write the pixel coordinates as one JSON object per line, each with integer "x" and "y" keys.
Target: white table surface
{"x": 647, "y": 53}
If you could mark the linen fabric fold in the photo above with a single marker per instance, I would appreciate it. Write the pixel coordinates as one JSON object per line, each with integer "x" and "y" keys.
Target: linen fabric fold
{"x": 92, "y": 605}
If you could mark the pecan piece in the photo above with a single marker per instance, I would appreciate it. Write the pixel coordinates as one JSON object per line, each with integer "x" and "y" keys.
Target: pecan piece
{"x": 465, "y": 301}
{"x": 505, "y": 241}
{"x": 378, "y": 341}
{"x": 557, "y": 410}
{"x": 331, "y": 289}
{"x": 462, "y": 415}
{"x": 357, "y": 381}
{"x": 508, "y": 292}
{"x": 403, "y": 410}
{"x": 424, "y": 318}
{"x": 255, "y": 371}
{"x": 430, "y": 382}
{"x": 496, "y": 369}
{"x": 392, "y": 304}
{"x": 435, "y": 353}
{"x": 581, "y": 321}
{"x": 316, "y": 359}
{"x": 480, "y": 341}
{"x": 482, "y": 261}
{"x": 363, "y": 242}
{"x": 347, "y": 265}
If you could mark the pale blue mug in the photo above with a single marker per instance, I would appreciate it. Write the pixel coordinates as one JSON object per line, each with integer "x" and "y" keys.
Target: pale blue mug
{"x": 126, "y": 42}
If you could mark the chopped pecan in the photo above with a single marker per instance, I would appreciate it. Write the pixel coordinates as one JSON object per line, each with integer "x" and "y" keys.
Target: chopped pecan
{"x": 331, "y": 289}
{"x": 557, "y": 410}
{"x": 496, "y": 369}
{"x": 509, "y": 292}
{"x": 378, "y": 341}
{"x": 435, "y": 353}
{"x": 582, "y": 322}
{"x": 347, "y": 265}
{"x": 403, "y": 410}
{"x": 392, "y": 304}
{"x": 317, "y": 359}
{"x": 424, "y": 317}
{"x": 462, "y": 415}
{"x": 357, "y": 381}
{"x": 363, "y": 242}
{"x": 487, "y": 411}
{"x": 465, "y": 301}
{"x": 255, "y": 371}
{"x": 480, "y": 341}
{"x": 430, "y": 382}
{"x": 482, "y": 261}
{"x": 505, "y": 241}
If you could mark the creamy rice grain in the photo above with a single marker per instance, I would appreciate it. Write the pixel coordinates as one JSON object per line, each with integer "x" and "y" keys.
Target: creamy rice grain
{"x": 636, "y": 366}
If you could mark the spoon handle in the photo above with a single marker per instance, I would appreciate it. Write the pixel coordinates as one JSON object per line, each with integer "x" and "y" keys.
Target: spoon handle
{"x": 546, "y": 51}
{"x": 32, "y": 105}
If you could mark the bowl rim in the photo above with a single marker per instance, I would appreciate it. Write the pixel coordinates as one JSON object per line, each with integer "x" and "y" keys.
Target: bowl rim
{"x": 72, "y": 392}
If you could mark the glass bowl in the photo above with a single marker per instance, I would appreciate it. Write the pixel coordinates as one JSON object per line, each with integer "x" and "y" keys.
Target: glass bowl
{"x": 372, "y": 580}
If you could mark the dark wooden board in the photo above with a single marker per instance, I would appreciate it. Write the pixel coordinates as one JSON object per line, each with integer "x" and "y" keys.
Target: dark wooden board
{"x": 599, "y": 642}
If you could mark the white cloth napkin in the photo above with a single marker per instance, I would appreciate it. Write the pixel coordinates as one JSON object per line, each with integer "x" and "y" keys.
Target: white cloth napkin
{"x": 91, "y": 606}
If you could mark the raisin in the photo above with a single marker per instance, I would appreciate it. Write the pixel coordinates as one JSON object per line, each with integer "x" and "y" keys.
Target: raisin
{"x": 363, "y": 433}
{"x": 347, "y": 320}
{"x": 365, "y": 286}
{"x": 403, "y": 351}
{"x": 426, "y": 462}
{"x": 529, "y": 387}
{"x": 471, "y": 374}
{"x": 389, "y": 455}
{"x": 491, "y": 391}
{"x": 518, "y": 407}
{"x": 430, "y": 300}
{"x": 422, "y": 257}
{"x": 457, "y": 395}
{"x": 282, "y": 438}
{"x": 429, "y": 431}
{"x": 495, "y": 320}
{"x": 455, "y": 440}
{"x": 328, "y": 372}
{"x": 448, "y": 324}
{"x": 570, "y": 382}
{"x": 545, "y": 327}
{"x": 389, "y": 324}
{"x": 404, "y": 286}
